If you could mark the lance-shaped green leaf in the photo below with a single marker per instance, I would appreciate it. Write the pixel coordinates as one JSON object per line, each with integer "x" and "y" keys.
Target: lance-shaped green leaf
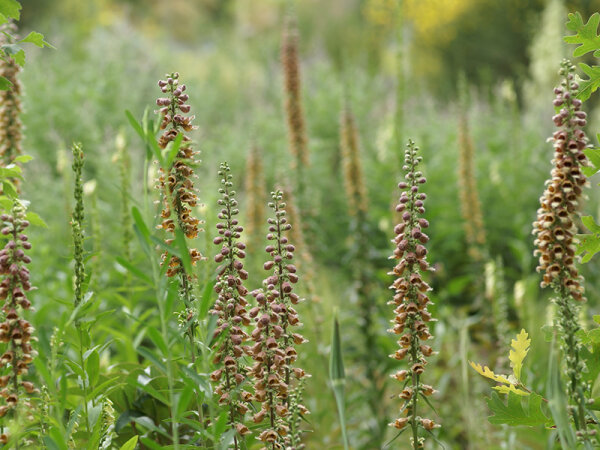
{"x": 338, "y": 377}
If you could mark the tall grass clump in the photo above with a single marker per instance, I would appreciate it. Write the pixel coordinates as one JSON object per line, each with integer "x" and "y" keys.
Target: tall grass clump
{"x": 178, "y": 194}
{"x": 411, "y": 300}
{"x": 298, "y": 143}
{"x": 277, "y": 379}
{"x": 231, "y": 374}
{"x": 555, "y": 229}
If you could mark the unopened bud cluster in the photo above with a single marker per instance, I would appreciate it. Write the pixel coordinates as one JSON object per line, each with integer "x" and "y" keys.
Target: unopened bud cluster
{"x": 274, "y": 352}
{"x": 175, "y": 182}
{"x": 555, "y": 225}
{"x": 411, "y": 299}
{"x": 230, "y": 308}
{"x": 15, "y": 331}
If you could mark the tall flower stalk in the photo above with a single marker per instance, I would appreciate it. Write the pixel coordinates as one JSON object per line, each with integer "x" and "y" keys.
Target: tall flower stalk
{"x": 77, "y": 220}
{"x": 274, "y": 371}
{"x": 11, "y": 127}
{"x": 255, "y": 193}
{"x": 298, "y": 143}
{"x": 15, "y": 331}
{"x": 411, "y": 299}
{"x": 230, "y": 308}
{"x": 353, "y": 173}
{"x": 177, "y": 190}
{"x": 470, "y": 204}
{"x": 555, "y": 231}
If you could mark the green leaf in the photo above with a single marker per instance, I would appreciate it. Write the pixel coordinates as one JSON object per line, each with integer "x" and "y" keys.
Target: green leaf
{"x": 130, "y": 444}
{"x": 154, "y": 393}
{"x": 588, "y": 246}
{"x": 134, "y": 270}
{"x": 9, "y": 189}
{"x": 520, "y": 348}
{"x": 5, "y": 84}
{"x": 35, "y": 219}
{"x": 141, "y": 229}
{"x": 10, "y": 8}
{"x": 593, "y": 155}
{"x": 511, "y": 388}
{"x": 184, "y": 399}
{"x": 517, "y": 411}
{"x": 557, "y": 403}
{"x": 92, "y": 367}
{"x": 589, "y": 86}
{"x": 586, "y": 36}
{"x": 23, "y": 159}
{"x": 157, "y": 340}
{"x": 150, "y": 356}
{"x": 36, "y": 39}
{"x": 336, "y": 361}
{"x": 488, "y": 373}
{"x": 172, "y": 150}
{"x": 338, "y": 377}
{"x": 590, "y": 224}
{"x": 126, "y": 418}
{"x": 184, "y": 252}
{"x": 19, "y": 57}
{"x": 205, "y": 301}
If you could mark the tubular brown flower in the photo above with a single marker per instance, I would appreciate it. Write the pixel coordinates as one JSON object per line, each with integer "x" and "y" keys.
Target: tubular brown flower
{"x": 15, "y": 331}
{"x": 175, "y": 182}
{"x": 274, "y": 352}
{"x": 230, "y": 308}
{"x": 411, "y": 299}
{"x": 11, "y": 126}
{"x": 555, "y": 231}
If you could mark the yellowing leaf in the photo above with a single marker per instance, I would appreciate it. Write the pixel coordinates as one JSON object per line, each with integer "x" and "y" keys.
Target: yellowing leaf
{"x": 486, "y": 372}
{"x": 510, "y": 388}
{"x": 520, "y": 348}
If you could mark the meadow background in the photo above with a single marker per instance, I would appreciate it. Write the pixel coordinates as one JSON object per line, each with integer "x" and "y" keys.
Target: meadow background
{"x": 494, "y": 62}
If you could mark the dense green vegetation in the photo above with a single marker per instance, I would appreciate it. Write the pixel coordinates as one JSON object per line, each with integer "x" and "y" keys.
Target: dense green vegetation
{"x": 306, "y": 108}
